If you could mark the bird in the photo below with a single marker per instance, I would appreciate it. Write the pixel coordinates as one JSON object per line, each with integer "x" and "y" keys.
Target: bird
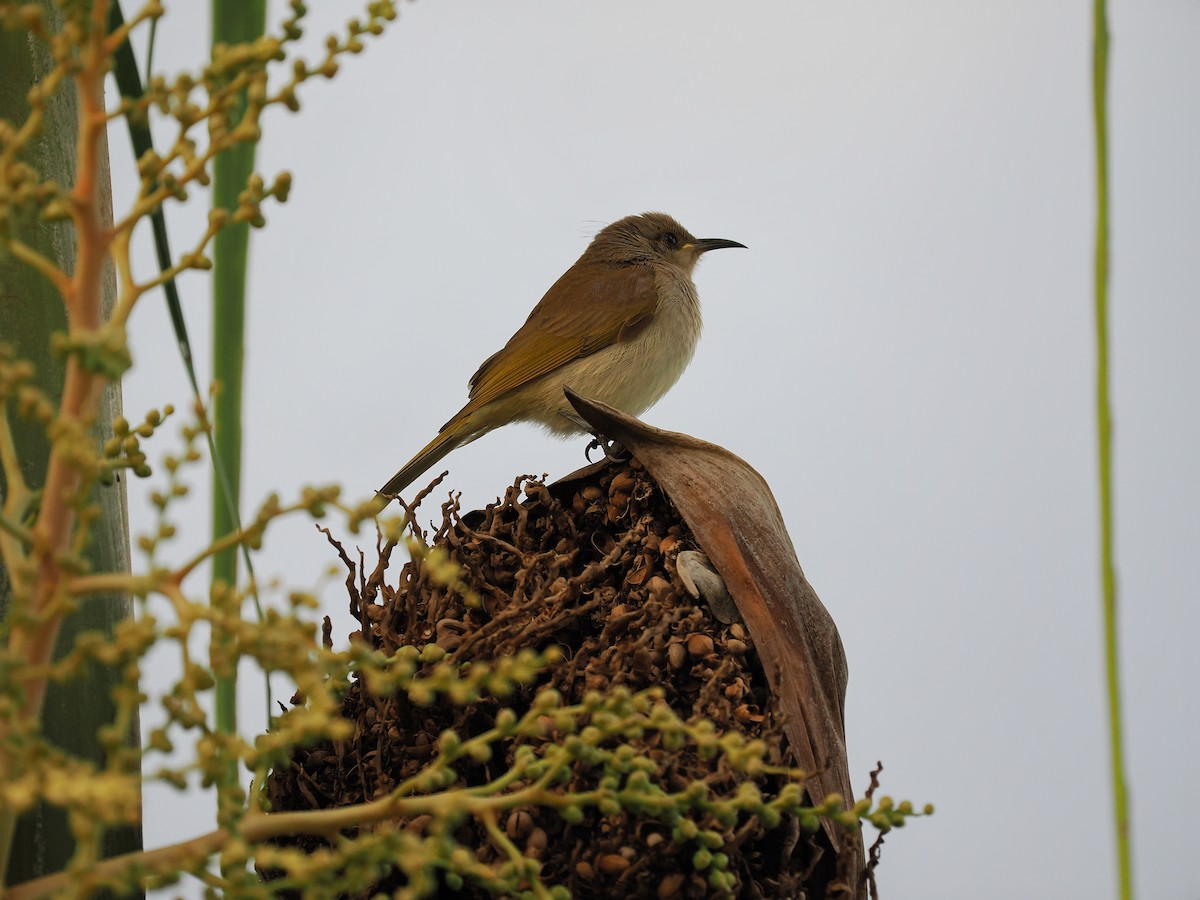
{"x": 619, "y": 326}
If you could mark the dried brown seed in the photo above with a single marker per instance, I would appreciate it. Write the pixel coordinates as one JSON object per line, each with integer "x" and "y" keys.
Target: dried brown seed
{"x": 519, "y": 824}
{"x": 536, "y": 845}
{"x": 612, "y": 864}
{"x": 654, "y": 838}
{"x": 670, "y": 886}
{"x": 699, "y": 644}
{"x": 676, "y": 656}
{"x": 622, "y": 483}
{"x": 657, "y": 587}
{"x": 592, "y": 492}
{"x": 736, "y": 647}
{"x": 584, "y": 870}
{"x": 738, "y": 631}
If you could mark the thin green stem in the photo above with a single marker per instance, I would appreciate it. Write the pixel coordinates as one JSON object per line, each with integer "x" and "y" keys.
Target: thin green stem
{"x": 234, "y": 21}
{"x": 1104, "y": 435}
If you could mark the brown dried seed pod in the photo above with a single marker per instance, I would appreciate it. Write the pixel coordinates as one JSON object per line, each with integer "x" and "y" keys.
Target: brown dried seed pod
{"x": 640, "y": 574}
{"x": 584, "y": 870}
{"x": 699, "y": 644}
{"x": 736, "y": 647}
{"x": 592, "y": 492}
{"x": 668, "y": 544}
{"x": 612, "y": 864}
{"x": 536, "y": 845}
{"x": 737, "y": 630}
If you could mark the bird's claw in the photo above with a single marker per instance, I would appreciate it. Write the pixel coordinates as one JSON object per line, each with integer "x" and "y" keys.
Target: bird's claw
{"x": 613, "y": 450}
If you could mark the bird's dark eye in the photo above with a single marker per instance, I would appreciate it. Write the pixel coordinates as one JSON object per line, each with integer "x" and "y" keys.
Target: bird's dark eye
{"x": 670, "y": 239}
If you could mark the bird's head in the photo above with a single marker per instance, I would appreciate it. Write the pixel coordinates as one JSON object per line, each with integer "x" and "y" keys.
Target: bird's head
{"x": 651, "y": 237}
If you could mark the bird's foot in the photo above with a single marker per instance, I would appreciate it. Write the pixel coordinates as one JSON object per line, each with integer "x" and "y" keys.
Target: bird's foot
{"x": 614, "y": 451}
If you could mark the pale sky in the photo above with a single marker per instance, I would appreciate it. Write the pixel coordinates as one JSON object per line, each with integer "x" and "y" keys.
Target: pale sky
{"x": 905, "y": 352}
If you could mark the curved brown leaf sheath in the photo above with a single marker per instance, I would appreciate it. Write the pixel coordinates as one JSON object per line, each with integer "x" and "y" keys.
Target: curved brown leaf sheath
{"x": 733, "y": 514}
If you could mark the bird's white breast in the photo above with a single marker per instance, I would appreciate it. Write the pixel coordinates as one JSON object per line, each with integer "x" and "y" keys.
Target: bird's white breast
{"x": 631, "y": 375}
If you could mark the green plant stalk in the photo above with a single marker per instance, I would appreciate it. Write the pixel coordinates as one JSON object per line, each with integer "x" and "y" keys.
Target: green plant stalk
{"x": 1104, "y": 442}
{"x": 233, "y": 21}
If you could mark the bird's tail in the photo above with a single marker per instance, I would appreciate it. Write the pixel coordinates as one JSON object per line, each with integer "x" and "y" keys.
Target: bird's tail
{"x": 450, "y": 437}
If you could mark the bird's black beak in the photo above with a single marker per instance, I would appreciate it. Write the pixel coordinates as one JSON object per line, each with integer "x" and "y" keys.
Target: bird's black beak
{"x": 703, "y": 245}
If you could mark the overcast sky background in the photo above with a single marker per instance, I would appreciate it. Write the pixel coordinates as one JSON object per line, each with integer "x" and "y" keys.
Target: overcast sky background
{"x": 905, "y": 352}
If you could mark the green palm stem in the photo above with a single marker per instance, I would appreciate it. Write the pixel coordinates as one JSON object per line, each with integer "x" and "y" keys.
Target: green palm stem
{"x": 233, "y": 21}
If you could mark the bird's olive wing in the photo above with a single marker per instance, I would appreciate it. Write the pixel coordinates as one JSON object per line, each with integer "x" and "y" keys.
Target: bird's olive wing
{"x": 587, "y": 309}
